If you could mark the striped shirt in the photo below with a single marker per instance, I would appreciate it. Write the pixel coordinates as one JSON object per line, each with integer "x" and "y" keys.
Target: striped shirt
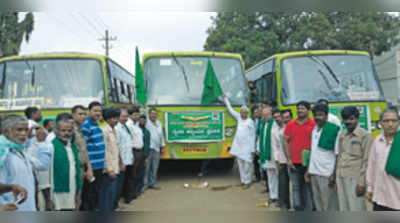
{"x": 95, "y": 143}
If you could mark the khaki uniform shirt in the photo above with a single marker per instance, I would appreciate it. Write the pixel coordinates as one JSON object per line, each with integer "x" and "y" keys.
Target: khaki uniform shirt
{"x": 353, "y": 154}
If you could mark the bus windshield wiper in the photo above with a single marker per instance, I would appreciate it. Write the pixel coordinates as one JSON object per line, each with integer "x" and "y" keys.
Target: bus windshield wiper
{"x": 183, "y": 72}
{"x": 327, "y": 67}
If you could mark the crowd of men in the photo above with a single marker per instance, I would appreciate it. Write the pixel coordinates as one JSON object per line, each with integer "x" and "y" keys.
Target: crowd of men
{"x": 87, "y": 160}
{"x": 90, "y": 159}
{"x": 329, "y": 168}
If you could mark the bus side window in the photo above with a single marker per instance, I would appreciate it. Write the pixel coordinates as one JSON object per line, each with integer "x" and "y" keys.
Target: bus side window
{"x": 268, "y": 87}
{"x": 116, "y": 89}
{"x": 128, "y": 89}
{"x": 125, "y": 79}
{"x": 122, "y": 87}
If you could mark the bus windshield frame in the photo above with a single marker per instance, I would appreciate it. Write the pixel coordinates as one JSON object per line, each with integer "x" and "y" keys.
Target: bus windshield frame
{"x": 329, "y": 79}
{"x": 35, "y": 84}
{"x": 180, "y": 70}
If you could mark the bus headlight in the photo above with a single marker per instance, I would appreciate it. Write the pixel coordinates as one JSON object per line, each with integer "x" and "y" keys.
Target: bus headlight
{"x": 229, "y": 131}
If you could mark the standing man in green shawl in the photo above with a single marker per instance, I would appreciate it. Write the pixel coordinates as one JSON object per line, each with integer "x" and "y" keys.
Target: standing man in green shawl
{"x": 383, "y": 179}
{"x": 265, "y": 151}
{"x": 324, "y": 147}
{"x": 66, "y": 177}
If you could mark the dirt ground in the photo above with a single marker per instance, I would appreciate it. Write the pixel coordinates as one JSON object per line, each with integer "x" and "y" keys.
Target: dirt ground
{"x": 175, "y": 197}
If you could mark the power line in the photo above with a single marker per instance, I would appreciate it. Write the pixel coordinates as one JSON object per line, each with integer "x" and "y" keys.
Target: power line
{"x": 81, "y": 25}
{"x": 101, "y": 21}
{"x": 66, "y": 27}
{"x": 90, "y": 23}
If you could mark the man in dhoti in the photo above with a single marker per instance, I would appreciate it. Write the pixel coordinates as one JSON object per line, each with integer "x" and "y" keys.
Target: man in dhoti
{"x": 243, "y": 147}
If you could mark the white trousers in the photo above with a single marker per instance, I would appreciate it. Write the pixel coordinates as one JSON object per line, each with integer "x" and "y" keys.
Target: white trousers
{"x": 245, "y": 170}
{"x": 273, "y": 183}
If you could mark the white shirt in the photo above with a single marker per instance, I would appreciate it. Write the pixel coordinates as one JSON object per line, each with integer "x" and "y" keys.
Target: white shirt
{"x": 243, "y": 142}
{"x": 66, "y": 200}
{"x": 322, "y": 161}
{"x": 156, "y": 134}
{"x": 334, "y": 119}
{"x": 280, "y": 153}
{"x": 43, "y": 176}
{"x": 137, "y": 134}
{"x": 50, "y": 137}
{"x": 125, "y": 144}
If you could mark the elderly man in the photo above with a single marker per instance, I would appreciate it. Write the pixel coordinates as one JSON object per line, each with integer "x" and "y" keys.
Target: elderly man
{"x": 243, "y": 144}
{"x": 157, "y": 145}
{"x": 383, "y": 176}
{"x": 66, "y": 177}
{"x": 16, "y": 165}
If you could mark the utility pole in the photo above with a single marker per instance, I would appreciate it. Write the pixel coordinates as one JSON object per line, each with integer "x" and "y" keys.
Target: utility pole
{"x": 107, "y": 46}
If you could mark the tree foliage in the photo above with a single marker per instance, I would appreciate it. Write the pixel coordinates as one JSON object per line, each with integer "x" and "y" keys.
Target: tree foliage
{"x": 13, "y": 32}
{"x": 259, "y": 35}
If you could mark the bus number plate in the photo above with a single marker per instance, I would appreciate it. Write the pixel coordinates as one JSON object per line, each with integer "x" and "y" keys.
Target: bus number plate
{"x": 194, "y": 150}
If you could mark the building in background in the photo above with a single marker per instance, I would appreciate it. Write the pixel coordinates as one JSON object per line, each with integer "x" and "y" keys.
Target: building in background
{"x": 388, "y": 68}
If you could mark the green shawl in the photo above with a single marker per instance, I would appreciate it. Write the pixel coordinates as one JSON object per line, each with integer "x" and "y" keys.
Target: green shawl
{"x": 392, "y": 164}
{"x": 328, "y": 136}
{"x": 265, "y": 141}
{"x": 61, "y": 172}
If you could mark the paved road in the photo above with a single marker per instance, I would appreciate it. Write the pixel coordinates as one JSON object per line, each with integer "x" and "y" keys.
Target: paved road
{"x": 174, "y": 197}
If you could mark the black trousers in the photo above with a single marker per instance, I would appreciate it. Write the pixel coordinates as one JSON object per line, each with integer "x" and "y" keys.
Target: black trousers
{"x": 257, "y": 167}
{"x": 377, "y": 207}
{"x": 284, "y": 194}
{"x": 90, "y": 191}
{"x": 133, "y": 176}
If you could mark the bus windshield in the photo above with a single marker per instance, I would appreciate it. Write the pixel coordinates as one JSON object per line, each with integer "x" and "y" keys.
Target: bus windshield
{"x": 179, "y": 80}
{"x": 337, "y": 78}
{"x": 50, "y": 83}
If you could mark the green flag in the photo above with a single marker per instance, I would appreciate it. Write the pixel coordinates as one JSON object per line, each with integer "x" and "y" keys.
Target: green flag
{"x": 212, "y": 90}
{"x": 140, "y": 85}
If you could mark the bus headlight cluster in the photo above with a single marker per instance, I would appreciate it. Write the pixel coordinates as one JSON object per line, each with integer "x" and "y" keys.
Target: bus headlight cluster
{"x": 229, "y": 131}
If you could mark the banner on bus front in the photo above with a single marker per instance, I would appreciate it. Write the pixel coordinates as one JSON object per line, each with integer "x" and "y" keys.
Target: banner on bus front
{"x": 195, "y": 127}
{"x": 364, "y": 120}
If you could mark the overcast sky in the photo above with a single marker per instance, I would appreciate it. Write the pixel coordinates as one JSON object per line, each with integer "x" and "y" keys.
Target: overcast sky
{"x": 150, "y": 31}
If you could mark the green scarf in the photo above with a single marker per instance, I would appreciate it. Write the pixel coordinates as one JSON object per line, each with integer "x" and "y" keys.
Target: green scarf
{"x": 328, "y": 136}
{"x": 146, "y": 142}
{"x": 260, "y": 125}
{"x": 265, "y": 141}
{"x": 392, "y": 164}
{"x": 61, "y": 173}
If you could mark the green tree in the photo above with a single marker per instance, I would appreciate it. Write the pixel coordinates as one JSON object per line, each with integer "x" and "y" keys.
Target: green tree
{"x": 258, "y": 35}
{"x": 13, "y": 32}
